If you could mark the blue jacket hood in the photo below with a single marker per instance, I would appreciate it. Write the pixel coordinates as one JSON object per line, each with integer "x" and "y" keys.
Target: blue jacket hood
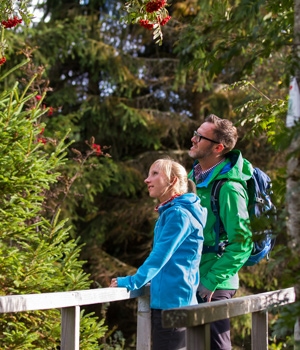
{"x": 190, "y": 202}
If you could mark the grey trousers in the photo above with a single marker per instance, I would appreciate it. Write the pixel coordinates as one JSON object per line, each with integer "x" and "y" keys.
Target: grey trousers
{"x": 220, "y": 330}
{"x": 166, "y": 338}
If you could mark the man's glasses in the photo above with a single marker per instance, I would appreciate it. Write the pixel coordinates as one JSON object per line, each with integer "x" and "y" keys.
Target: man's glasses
{"x": 199, "y": 137}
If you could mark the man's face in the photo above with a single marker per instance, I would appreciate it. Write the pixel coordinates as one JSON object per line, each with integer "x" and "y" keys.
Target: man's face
{"x": 201, "y": 147}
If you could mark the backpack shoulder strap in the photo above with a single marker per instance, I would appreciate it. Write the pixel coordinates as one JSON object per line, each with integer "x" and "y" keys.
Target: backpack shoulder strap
{"x": 215, "y": 206}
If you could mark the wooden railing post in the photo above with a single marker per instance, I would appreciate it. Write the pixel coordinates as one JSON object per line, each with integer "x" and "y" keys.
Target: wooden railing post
{"x": 198, "y": 337}
{"x": 297, "y": 334}
{"x": 70, "y": 328}
{"x": 143, "y": 341}
{"x": 259, "y": 334}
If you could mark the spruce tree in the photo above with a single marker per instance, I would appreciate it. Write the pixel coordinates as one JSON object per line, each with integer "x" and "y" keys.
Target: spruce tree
{"x": 37, "y": 254}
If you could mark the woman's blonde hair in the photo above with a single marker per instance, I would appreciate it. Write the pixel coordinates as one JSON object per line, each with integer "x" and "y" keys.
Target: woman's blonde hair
{"x": 173, "y": 170}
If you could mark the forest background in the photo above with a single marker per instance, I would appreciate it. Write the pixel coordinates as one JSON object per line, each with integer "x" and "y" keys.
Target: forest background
{"x": 88, "y": 102}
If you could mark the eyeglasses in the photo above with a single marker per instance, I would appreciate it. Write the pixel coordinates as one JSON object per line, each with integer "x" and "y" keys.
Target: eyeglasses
{"x": 199, "y": 137}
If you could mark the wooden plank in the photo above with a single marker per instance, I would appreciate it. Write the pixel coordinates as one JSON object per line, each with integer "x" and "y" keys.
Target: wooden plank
{"x": 70, "y": 328}
{"x": 198, "y": 337}
{"x": 191, "y": 316}
{"x": 17, "y": 303}
{"x": 259, "y": 333}
{"x": 143, "y": 341}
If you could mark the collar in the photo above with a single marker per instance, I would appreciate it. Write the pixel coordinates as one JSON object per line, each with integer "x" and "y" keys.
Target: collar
{"x": 165, "y": 202}
{"x": 200, "y": 175}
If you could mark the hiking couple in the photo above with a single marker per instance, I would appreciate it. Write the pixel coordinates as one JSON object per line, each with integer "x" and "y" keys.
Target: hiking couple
{"x": 184, "y": 235}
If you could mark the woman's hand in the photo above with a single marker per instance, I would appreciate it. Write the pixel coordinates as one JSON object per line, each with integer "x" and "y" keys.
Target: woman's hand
{"x": 114, "y": 283}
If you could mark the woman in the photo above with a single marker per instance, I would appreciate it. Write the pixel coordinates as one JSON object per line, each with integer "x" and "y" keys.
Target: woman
{"x": 173, "y": 264}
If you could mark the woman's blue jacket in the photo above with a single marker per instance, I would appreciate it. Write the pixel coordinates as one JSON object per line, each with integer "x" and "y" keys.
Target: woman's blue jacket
{"x": 173, "y": 264}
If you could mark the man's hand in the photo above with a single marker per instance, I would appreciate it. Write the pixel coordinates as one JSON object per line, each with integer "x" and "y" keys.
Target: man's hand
{"x": 204, "y": 292}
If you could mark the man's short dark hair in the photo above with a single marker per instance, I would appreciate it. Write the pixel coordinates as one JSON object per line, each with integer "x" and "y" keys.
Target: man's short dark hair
{"x": 224, "y": 132}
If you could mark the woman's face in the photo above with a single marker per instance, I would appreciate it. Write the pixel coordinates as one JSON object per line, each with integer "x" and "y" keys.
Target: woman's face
{"x": 158, "y": 185}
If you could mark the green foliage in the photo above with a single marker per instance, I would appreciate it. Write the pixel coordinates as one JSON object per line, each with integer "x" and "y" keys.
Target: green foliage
{"x": 114, "y": 215}
{"x": 265, "y": 118}
{"x": 229, "y": 47}
{"x": 115, "y": 341}
{"x": 36, "y": 252}
{"x": 282, "y": 326}
{"x": 111, "y": 82}
{"x": 241, "y": 331}
{"x": 91, "y": 332}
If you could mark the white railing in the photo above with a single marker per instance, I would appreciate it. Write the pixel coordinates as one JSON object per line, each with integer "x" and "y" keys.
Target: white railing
{"x": 195, "y": 318}
{"x": 70, "y": 303}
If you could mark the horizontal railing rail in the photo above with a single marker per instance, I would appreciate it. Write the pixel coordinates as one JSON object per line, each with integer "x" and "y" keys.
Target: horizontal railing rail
{"x": 197, "y": 318}
{"x": 70, "y": 303}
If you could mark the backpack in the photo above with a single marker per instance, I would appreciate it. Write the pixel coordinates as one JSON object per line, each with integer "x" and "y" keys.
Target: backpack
{"x": 260, "y": 204}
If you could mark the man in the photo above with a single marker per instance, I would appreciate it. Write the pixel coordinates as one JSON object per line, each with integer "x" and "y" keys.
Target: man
{"x": 215, "y": 158}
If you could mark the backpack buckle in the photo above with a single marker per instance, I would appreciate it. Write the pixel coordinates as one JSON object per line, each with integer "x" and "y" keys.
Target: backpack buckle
{"x": 221, "y": 248}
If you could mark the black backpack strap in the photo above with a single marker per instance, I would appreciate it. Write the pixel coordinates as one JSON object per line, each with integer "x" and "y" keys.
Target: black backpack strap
{"x": 218, "y": 227}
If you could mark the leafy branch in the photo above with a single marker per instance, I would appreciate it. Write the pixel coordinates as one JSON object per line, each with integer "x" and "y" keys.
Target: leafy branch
{"x": 151, "y": 15}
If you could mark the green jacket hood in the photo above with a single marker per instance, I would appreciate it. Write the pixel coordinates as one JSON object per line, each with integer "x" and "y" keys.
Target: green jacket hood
{"x": 235, "y": 168}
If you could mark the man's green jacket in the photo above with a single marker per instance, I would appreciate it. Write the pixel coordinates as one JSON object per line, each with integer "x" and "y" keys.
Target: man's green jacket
{"x": 222, "y": 272}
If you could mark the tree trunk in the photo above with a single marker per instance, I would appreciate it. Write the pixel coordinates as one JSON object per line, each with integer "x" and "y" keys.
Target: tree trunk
{"x": 293, "y": 174}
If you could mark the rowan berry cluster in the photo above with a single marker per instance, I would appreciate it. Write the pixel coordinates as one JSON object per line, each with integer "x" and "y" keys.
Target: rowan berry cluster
{"x": 150, "y": 14}
{"x": 97, "y": 149}
{"x": 11, "y": 22}
{"x": 165, "y": 20}
{"x": 41, "y": 138}
{"x": 155, "y": 5}
{"x": 146, "y": 24}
